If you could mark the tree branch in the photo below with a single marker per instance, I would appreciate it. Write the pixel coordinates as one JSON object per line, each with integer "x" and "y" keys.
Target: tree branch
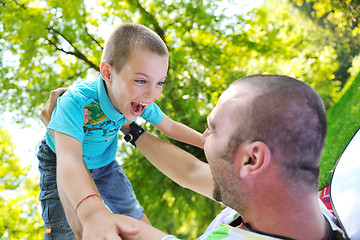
{"x": 151, "y": 18}
{"x": 92, "y": 37}
{"x": 76, "y": 75}
{"x": 75, "y": 53}
{"x": 86, "y": 28}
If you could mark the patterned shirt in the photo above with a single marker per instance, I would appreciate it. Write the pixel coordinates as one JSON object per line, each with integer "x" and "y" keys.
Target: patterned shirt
{"x": 219, "y": 228}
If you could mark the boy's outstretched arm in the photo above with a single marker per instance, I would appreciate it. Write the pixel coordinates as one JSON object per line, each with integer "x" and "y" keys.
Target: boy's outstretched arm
{"x": 180, "y": 132}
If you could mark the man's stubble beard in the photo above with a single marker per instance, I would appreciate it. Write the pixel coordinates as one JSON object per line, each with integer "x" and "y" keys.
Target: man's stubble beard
{"x": 216, "y": 192}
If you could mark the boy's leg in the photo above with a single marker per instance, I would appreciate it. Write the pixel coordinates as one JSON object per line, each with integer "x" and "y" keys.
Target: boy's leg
{"x": 56, "y": 226}
{"x": 117, "y": 192}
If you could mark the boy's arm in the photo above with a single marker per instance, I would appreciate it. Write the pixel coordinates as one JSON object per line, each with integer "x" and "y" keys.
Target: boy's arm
{"x": 75, "y": 184}
{"x": 180, "y": 132}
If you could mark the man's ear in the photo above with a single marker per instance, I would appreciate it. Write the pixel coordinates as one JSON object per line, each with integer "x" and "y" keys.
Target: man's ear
{"x": 256, "y": 158}
{"x": 105, "y": 71}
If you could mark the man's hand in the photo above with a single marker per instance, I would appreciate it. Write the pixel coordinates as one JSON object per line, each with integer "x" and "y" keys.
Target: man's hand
{"x": 46, "y": 112}
{"x": 126, "y": 127}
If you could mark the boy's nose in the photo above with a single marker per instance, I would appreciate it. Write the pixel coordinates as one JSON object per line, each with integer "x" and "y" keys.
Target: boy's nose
{"x": 150, "y": 93}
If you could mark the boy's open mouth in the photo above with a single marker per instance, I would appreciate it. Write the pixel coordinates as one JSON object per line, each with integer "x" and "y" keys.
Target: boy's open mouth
{"x": 137, "y": 108}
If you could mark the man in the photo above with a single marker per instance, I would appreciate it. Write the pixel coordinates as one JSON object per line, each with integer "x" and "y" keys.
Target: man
{"x": 263, "y": 144}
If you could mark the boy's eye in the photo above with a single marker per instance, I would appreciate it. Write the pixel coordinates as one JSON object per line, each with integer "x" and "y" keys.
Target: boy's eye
{"x": 161, "y": 83}
{"x": 140, "y": 81}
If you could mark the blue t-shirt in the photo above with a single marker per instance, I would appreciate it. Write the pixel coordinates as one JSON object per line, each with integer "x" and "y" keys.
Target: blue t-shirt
{"x": 99, "y": 136}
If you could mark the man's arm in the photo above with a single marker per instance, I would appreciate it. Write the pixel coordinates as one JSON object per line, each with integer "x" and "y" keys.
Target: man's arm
{"x": 46, "y": 112}
{"x": 179, "y": 165}
{"x": 180, "y": 132}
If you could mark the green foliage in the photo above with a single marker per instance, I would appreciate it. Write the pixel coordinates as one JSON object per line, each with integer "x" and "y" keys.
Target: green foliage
{"x": 344, "y": 120}
{"x": 341, "y": 20}
{"x": 50, "y": 44}
{"x": 42, "y": 49}
{"x": 277, "y": 44}
{"x": 19, "y": 216}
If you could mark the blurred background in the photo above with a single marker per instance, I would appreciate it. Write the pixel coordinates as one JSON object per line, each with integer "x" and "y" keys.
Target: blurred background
{"x": 49, "y": 44}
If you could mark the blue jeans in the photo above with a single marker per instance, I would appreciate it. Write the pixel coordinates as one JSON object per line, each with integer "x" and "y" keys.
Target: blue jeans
{"x": 111, "y": 181}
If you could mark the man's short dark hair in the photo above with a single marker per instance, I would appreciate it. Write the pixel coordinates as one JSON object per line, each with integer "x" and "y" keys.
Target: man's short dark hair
{"x": 289, "y": 116}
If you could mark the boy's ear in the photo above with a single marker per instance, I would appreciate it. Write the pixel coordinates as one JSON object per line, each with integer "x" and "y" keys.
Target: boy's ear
{"x": 255, "y": 158}
{"x": 105, "y": 70}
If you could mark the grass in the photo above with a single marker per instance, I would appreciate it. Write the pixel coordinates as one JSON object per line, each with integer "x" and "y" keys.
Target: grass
{"x": 343, "y": 121}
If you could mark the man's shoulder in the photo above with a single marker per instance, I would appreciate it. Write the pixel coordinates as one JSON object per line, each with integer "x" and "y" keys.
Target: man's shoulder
{"x": 226, "y": 232}
{"x": 219, "y": 229}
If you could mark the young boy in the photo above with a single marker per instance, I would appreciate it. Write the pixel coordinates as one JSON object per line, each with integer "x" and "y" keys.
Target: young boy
{"x": 133, "y": 70}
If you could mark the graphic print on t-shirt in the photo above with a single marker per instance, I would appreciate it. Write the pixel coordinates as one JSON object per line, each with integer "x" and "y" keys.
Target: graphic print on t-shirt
{"x": 96, "y": 115}
{"x": 99, "y": 128}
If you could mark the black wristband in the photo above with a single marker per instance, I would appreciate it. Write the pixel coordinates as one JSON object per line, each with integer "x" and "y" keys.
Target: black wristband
{"x": 134, "y": 133}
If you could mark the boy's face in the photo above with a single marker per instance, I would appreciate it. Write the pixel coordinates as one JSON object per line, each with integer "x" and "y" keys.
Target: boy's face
{"x": 138, "y": 84}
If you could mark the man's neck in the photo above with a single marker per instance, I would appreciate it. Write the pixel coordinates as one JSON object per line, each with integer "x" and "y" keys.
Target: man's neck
{"x": 296, "y": 218}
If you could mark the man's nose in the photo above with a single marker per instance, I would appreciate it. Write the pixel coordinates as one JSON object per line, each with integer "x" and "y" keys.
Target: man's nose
{"x": 205, "y": 135}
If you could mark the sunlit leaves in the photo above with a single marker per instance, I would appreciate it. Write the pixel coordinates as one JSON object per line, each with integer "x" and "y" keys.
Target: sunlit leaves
{"x": 45, "y": 46}
{"x": 341, "y": 19}
{"x": 48, "y": 44}
{"x": 19, "y": 215}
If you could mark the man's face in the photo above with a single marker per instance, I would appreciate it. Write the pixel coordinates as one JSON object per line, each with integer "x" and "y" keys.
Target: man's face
{"x": 138, "y": 84}
{"x": 222, "y": 122}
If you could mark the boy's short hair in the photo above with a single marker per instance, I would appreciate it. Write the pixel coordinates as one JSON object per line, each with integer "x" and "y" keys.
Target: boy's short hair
{"x": 127, "y": 37}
